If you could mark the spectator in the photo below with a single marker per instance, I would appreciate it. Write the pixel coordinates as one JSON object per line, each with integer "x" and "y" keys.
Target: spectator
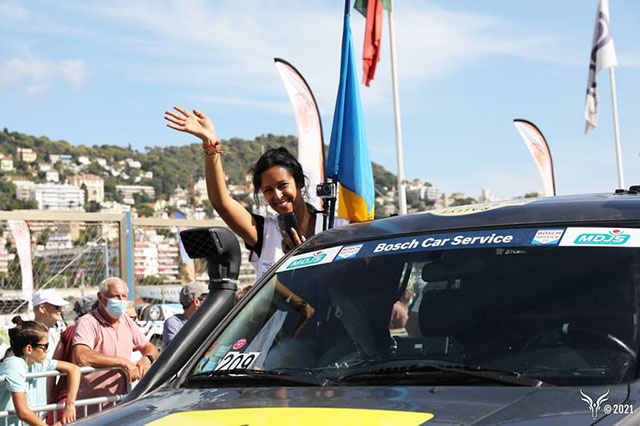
{"x": 29, "y": 341}
{"x": 63, "y": 351}
{"x": 47, "y": 308}
{"x": 191, "y": 297}
{"x": 106, "y": 337}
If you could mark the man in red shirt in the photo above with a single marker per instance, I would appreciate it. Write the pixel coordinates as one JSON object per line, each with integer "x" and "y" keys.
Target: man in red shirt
{"x": 106, "y": 337}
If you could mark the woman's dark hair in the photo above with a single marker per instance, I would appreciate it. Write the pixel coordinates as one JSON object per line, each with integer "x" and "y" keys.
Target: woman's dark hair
{"x": 276, "y": 157}
{"x": 25, "y": 333}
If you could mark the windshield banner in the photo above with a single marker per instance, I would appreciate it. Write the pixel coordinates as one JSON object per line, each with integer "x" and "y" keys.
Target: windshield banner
{"x": 453, "y": 240}
{"x": 517, "y": 237}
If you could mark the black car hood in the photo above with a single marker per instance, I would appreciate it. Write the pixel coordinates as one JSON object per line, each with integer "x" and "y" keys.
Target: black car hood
{"x": 368, "y": 405}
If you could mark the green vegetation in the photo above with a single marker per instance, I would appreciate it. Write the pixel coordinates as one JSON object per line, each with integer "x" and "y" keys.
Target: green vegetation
{"x": 172, "y": 166}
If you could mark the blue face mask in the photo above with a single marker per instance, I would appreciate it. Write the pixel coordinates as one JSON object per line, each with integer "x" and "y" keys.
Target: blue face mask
{"x": 116, "y": 308}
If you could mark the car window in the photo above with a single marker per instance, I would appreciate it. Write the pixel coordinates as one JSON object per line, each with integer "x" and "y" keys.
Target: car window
{"x": 566, "y": 314}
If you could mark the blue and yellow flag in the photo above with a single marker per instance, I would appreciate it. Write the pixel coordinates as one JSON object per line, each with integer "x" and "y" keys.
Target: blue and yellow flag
{"x": 348, "y": 161}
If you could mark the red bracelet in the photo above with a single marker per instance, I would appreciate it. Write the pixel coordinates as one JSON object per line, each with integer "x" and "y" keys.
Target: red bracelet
{"x": 213, "y": 148}
{"x": 211, "y": 145}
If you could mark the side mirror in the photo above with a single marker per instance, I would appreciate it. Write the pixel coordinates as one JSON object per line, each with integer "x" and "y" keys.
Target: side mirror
{"x": 221, "y": 249}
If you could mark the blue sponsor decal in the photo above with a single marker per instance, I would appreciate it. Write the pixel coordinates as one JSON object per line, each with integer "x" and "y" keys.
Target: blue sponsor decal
{"x": 451, "y": 240}
{"x": 613, "y": 238}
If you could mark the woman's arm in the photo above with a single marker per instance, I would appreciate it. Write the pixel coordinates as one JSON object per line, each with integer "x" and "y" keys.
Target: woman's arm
{"x": 232, "y": 212}
{"x": 23, "y": 411}
{"x": 73, "y": 382}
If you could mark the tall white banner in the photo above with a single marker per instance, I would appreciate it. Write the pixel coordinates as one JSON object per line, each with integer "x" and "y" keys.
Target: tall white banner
{"x": 22, "y": 238}
{"x": 310, "y": 143}
{"x": 603, "y": 55}
{"x": 539, "y": 149}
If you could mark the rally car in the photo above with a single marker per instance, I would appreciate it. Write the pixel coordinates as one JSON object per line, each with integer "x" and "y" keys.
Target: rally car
{"x": 515, "y": 312}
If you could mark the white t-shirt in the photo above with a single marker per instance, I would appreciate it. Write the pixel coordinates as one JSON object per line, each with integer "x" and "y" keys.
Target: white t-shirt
{"x": 271, "y": 250}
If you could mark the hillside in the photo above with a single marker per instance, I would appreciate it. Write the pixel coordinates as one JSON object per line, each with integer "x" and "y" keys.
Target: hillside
{"x": 172, "y": 166}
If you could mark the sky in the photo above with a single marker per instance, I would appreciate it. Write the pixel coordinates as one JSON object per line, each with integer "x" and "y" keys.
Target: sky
{"x": 103, "y": 72}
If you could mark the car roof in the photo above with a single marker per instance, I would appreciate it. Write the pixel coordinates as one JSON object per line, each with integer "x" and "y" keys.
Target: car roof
{"x": 620, "y": 207}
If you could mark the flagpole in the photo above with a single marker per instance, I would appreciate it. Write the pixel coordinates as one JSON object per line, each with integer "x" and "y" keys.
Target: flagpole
{"x": 402, "y": 198}
{"x": 616, "y": 130}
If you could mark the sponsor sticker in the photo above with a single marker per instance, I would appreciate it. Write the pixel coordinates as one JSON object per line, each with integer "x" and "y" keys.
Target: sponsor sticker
{"x": 239, "y": 344}
{"x": 314, "y": 258}
{"x": 476, "y": 208}
{"x": 601, "y": 237}
{"x": 547, "y": 237}
{"x": 349, "y": 251}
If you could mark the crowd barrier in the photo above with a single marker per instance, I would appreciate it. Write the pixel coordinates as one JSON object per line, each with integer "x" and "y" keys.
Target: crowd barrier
{"x": 81, "y": 404}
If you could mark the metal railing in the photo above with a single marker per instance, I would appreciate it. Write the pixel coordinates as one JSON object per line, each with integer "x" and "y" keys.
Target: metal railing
{"x": 81, "y": 403}
{"x": 74, "y": 251}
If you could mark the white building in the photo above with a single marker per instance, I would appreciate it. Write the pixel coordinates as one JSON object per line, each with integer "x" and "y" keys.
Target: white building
{"x": 145, "y": 259}
{"x": 114, "y": 207}
{"x": 133, "y": 163}
{"x": 101, "y": 161}
{"x": 4, "y": 257}
{"x": 168, "y": 260}
{"x": 52, "y": 176}
{"x": 58, "y": 197}
{"x": 93, "y": 183}
{"x": 26, "y": 154}
{"x": 45, "y": 167}
{"x": 84, "y": 160}
{"x": 24, "y": 188}
{"x": 6, "y": 163}
{"x": 59, "y": 240}
{"x": 486, "y": 196}
{"x": 432, "y": 193}
{"x": 128, "y": 190}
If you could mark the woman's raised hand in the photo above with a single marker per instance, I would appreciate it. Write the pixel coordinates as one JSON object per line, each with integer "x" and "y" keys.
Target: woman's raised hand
{"x": 197, "y": 124}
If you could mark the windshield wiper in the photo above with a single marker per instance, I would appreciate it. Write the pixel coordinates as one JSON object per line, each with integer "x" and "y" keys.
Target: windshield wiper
{"x": 261, "y": 377}
{"x": 419, "y": 371}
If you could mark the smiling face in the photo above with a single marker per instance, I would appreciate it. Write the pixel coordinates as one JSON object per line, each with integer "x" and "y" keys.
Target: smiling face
{"x": 279, "y": 189}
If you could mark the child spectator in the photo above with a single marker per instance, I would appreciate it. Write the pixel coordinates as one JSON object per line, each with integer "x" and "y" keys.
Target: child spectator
{"x": 29, "y": 342}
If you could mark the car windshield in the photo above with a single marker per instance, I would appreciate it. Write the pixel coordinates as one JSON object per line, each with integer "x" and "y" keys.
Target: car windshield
{"x": 389, "y": 309}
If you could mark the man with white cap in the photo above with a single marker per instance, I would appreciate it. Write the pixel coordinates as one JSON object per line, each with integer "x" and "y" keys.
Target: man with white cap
{"x": 47, "y": 308}
{"x": 191, "y": 297}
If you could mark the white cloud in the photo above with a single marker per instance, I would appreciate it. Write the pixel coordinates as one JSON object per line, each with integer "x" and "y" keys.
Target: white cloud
{"x": 36, "y": 76}
{"x": 73, "y": 71}
{"x": 12, "y": 11}
{"x": 225, "y": 44}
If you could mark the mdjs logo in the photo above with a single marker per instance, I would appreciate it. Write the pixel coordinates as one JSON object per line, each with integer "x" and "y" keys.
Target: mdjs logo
{"x": 307, "y": 261}
{"x": 615, "y": 237}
